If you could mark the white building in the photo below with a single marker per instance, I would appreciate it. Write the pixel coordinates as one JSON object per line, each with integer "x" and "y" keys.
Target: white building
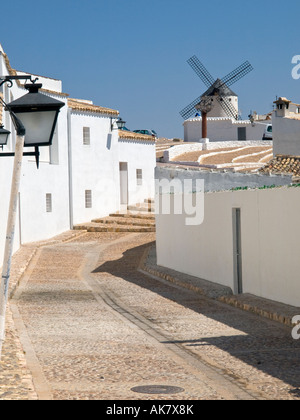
{"x": 286, "y": 128}
{"x": 224, "y": 129}
{"x": 79, "y": 176}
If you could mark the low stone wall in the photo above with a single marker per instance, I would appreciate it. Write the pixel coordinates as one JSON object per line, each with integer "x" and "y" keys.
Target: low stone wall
{"x": 221, "y": 181}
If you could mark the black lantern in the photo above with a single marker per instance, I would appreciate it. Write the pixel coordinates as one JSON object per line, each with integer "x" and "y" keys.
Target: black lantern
{"x": 120, "y": 123}
{"x": 38, "y": 114}
{"x": 3, "y": 136}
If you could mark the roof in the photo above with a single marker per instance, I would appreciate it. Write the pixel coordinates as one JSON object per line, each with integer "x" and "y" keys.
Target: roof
{"x": 13, "y": 72}
{"x": 283, "y": 164}
{"x": 219, "y": 88}
{"x": 84, "y": 106}
{"x": 129, "y": 135}
{"x": 282, "y": 100}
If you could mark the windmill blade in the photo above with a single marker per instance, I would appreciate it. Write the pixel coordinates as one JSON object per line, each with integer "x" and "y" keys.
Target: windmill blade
{"x": 189, "y": 110}
{"x": 201, "y": 71}
{"x": 227, "y": 107}
{"x": 237, "y": 74}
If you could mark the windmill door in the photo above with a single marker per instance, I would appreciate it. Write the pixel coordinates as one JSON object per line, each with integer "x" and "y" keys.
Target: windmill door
{"x": 242, "y": 134}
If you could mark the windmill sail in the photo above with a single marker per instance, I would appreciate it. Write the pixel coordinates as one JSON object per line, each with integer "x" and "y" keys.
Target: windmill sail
{"x": 218, "y": 89}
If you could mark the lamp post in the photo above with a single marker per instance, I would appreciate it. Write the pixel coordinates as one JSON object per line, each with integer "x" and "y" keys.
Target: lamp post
{"x": 34, "y": 116}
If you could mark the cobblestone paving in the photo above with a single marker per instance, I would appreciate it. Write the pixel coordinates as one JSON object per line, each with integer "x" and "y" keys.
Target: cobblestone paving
{"x": 84, "y": 349}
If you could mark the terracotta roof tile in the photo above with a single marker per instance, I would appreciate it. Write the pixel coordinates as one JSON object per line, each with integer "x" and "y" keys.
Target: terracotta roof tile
{"x": 283, "y": 164}
{"x": 129, "y": 135}
{"x": 87, "y": 107}
{"x": 13, "y": 72}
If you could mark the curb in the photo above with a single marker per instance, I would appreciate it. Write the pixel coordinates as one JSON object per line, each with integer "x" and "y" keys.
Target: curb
{"x": 275, "y": 311}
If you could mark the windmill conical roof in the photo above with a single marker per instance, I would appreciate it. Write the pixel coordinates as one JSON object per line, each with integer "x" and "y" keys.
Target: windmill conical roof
{"x": 219, "y": 88}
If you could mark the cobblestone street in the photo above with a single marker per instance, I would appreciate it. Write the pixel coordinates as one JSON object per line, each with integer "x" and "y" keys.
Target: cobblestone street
{"x": 93, "y": 325}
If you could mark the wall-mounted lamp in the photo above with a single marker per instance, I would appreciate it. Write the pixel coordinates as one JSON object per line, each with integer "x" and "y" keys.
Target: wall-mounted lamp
{"x": 35, "y": 115}
{"x": 3, "y": 136}
{"x": 120, "y": 124}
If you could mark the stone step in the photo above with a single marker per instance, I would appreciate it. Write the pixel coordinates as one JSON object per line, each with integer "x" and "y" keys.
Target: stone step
{"x": 141, "y": 208}
{"x": 144, "y": 216}
{"x": 149, "y": 201}
{"x": 99, "y": 227}
{"x": 125, "y": 221}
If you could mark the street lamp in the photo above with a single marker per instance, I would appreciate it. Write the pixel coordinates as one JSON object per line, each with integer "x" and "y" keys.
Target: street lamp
{"x": 38, "y": 113}
{"x": 3, "y": 136}
{"x": 34, "y": 116}
{"x": 120, "y": 123}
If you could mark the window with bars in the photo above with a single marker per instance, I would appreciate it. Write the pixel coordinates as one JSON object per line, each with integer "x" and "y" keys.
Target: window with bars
{"x": 86, "y": 136}
{"x": 139, "y": 177}
{"x": 88, "y": 199}
{"x": 49, "y": 203}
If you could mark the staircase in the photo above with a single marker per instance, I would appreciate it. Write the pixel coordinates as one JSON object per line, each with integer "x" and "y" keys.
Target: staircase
{"x": 139, "y": 218}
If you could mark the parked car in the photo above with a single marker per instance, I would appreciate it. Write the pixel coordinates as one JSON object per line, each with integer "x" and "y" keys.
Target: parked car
{"x": 147, "y": 132}
{"x": 268, "y": 133}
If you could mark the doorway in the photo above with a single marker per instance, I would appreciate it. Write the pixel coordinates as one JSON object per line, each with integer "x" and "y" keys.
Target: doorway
{"x": 237, "y": 251}
{"x": 123, "y": 183}
{"x": 242, "y": 134}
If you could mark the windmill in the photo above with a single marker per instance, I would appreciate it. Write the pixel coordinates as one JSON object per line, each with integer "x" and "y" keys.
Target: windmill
{"x": 219, "y": 99}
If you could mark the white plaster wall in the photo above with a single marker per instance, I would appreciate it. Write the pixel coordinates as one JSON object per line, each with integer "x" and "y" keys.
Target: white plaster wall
{"x": 270, "y": 232}
{"x": 286, "y": 136}
{"x": 218, "y": 111}
{"x": 139, "y": 155}
{"x": 221, "y": 129}
{"x": 48, "y": 83}
{"x": 94, "y": 167}
{"x": 50, "y": 178}
{"x": 35, "y": 223}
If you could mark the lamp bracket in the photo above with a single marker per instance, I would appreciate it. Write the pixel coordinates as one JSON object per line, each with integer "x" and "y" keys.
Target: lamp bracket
{"x": 36, "y": 153}
{"x": 10, "y": 79}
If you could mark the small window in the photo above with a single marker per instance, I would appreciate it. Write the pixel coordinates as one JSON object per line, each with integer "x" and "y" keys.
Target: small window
{"x": 88, "y": 199}
{"x": 86, "y": 136}
{"x": 139, "y": 177}
{"x": 49, "y": 203}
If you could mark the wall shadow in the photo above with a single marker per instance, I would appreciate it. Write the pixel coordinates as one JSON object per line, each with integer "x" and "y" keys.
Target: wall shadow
{"x": 264, "y": 344}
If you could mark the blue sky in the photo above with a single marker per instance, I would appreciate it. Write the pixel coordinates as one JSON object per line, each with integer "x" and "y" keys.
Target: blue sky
{"x": 131, "y": 55}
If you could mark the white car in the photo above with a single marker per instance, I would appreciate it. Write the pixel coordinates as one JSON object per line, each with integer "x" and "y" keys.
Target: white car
{"x": 268, "y": 133}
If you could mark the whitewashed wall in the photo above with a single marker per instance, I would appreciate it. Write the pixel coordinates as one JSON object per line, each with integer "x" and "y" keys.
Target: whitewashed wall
{"x": 286, "y": 135}
{"x": 94, "y": 167}
{"x": 34, "y": 222}
{"x": 270, "y": 232}
{"x": 139, "y": 155}
{"x": 221, "y": 129}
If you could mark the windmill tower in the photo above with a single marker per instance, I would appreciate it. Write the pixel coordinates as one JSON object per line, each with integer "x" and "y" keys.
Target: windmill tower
{"x": 218, "y": 100}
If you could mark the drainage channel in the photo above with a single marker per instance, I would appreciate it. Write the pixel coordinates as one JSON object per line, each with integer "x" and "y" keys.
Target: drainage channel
{"x": 224, "y": 384}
